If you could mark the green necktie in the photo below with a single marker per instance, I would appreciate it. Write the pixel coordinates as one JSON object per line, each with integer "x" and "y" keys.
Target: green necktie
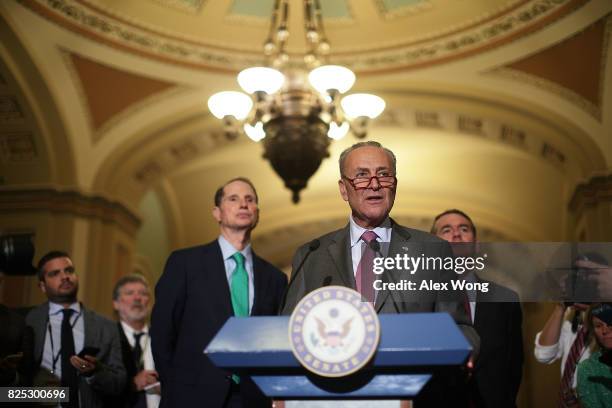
{"x": 240, "y": 287}
{"x": 240, "y": 293}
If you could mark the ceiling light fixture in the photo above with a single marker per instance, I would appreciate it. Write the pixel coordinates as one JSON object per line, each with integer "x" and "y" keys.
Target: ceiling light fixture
{"x": 293, "y": 112}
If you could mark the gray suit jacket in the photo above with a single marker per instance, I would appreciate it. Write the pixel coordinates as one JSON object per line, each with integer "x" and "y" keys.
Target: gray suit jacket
{"x": 99, "y": 332}
{"x": 331, "y": 264}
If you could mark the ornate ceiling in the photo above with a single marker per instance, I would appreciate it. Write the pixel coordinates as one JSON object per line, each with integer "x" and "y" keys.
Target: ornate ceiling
{"x": 498, "y": 107}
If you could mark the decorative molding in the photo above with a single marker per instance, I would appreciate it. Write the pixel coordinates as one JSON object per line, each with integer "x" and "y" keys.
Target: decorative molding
{"x": 528, "y": 17}
{"x": 189, "y": 6}
{"x": 17, "y": 147}
{"x": 10, "y": 110}
{"x": 482, "y": 127}
{"x": 402, "y": 11}
{"x": 590, "y": 193}
{"x": 477, "y": 37}
{"x": 71, "y": 202}
{"x": 178, "y": 153}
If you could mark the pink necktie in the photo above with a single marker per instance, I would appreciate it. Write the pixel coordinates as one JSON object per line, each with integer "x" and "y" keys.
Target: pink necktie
{"x": 364, "y": 278}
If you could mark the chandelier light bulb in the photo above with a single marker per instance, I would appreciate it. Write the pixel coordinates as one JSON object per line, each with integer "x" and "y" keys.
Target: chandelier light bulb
{"x": 230, "y": 103}
{"x": 328, "y": 77}
{"x": 255, "y": 133}
{"x": 324, "y": 46}
{"x": 269, "y": 47}
{"x": 312, "y": 35}
{"x": 337, "y": 132}
{"x": 282, "y": 34}
{"x": 362, "y": 104}
{"x": 268, "y": 80}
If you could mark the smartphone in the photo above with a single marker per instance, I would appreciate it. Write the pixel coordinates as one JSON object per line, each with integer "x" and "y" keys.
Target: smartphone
{"x": 89, "y": 351}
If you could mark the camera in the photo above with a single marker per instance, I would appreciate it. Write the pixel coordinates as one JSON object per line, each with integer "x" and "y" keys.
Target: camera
{"x": 16, "y": 253}
{"x": 579, "y": 284}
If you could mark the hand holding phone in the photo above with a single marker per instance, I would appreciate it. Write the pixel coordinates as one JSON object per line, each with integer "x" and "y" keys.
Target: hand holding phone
{"x": 88, "y": 351}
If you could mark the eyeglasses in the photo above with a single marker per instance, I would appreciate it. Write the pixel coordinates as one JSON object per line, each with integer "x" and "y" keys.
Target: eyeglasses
{"x": 361, "y": 183}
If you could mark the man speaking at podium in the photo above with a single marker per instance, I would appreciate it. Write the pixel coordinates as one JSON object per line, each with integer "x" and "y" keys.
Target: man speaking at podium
{"x": 368, "y": 183}
{"x": 200, "y": 289}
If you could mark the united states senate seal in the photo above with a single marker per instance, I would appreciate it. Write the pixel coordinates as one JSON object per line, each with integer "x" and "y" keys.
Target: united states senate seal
{"x": 332, "y": 332}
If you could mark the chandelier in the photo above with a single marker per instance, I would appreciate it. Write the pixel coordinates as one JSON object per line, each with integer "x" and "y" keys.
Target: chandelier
{"x": 295, "y": 105}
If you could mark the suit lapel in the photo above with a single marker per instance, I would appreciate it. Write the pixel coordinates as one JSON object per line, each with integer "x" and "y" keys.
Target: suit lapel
{"x": 340, "y": 252}
{"x": 258, "y": 283}
{"x": 40, "y": 319}
{"x": 399, "y": 238}
{"x": 215, "y": 265}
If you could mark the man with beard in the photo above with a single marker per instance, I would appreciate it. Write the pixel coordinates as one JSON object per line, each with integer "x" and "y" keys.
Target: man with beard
{"x": 200, "y": 289}
{"x": 131, "y": 301}
{"x": 73, "y": 346}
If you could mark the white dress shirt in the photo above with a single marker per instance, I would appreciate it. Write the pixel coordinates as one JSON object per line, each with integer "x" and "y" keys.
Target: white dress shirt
{"x": 145, "y": 345}
{"x": 384, "y": 235}
{"x": 52, "y": 348}
{"x": 560, "y": 350}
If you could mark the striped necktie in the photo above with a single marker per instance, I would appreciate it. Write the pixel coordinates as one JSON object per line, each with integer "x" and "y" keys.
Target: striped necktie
{"x": 567, "y": 397}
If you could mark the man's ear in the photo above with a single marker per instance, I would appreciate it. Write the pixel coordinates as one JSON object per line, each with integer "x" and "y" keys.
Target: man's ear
{"x": 116, "y": 305}
{"x": 216, "y": 213}
{"x": 41, "y": 285}
{"x": 343, "y": 191}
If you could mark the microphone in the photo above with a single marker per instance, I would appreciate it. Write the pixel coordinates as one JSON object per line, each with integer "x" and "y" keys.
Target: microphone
{"x": 312, "y": 246}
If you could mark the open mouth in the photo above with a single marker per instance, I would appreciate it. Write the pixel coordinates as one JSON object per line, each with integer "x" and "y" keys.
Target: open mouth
{"x": 374, "y": 199}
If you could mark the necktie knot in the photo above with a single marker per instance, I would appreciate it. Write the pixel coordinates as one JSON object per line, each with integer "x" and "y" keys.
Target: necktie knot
{"x": 239, "y": 258}
{"x": 137, "y": 337}
{"x": 239, "y": 287}
{"x": 67, "y": 313}
{"x": 368, "y": 236}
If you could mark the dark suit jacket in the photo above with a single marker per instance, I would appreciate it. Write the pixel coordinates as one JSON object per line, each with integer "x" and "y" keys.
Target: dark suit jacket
{"x": 498, "y": 370}
{"x": 15, "y": 337}
{"x": 331, "y": 264}
{"x": 129, "y": 395}
{"x": 192, "y": 304}
{"x": 100, "y": 332}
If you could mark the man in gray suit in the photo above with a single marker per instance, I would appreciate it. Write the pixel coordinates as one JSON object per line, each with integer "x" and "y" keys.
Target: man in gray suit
{"x": 64, "y": 328}
{"x": 368, "y": 183}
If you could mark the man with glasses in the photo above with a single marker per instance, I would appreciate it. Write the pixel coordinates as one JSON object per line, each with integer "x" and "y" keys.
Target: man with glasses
{"x": 368, "y": 183}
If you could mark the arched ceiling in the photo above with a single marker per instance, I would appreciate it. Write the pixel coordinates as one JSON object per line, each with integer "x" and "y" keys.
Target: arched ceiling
{"x": 499, "y": 107}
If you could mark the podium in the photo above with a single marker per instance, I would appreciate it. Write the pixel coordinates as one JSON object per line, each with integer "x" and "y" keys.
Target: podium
{"x": 412, "y": 348}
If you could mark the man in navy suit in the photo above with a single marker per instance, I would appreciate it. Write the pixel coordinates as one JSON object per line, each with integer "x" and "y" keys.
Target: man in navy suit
{"x": 497, "y": 318}
{"x": 203, "y": 286}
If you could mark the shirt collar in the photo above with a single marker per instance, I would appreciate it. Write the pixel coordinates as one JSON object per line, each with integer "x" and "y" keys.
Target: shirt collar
{"x": 129, "y": 331}
{"x": 55, "y": 308}
{"x": 227, "y": 249}
{"x": 383, "y": 231}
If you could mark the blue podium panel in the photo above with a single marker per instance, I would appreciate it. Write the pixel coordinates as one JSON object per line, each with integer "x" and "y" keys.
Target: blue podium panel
{"x": 416, "y": 339}
{"x": 380, "y": 386}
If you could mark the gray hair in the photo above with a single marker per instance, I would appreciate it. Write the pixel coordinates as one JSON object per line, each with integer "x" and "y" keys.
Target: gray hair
{"x": 369, "y": 143}
{"x": 131, "y": 278}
